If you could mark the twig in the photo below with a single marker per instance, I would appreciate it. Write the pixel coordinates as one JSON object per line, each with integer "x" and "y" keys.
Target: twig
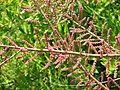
{"x": 113, "y": 80}
{"x": 2, "y": 63}
{"x": 81, "y": 85}
{"x": 31, "y": 59}
{"x": 61, "y": 51}
{"x": 92, "y": 77}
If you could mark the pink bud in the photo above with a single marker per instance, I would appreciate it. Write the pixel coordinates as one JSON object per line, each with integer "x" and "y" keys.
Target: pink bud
{"x": 118, "y": 38}
{"x": 23, "y": 50}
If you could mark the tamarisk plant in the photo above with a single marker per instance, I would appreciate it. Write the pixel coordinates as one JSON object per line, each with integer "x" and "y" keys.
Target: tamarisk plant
{"x": 73, "y": 53}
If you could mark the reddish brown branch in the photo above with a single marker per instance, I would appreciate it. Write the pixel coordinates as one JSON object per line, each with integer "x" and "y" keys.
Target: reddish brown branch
{"x": 7, "y": 59}
{"x": 60, "y": 51}
{"x": 92, "y": 77}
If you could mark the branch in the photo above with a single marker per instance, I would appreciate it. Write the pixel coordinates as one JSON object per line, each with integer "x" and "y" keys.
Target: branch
{"x": 92, "y": 77}
{"x": 23, "y": 49}
{"x": 6, "y": 60}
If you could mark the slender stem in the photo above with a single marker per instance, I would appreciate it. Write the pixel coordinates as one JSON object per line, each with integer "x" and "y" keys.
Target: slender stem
{"x": 6, "y": 60}
{"x": 60, "y": 51}
{"x": 83, "y": 84}
{"x": 92, "y": 77}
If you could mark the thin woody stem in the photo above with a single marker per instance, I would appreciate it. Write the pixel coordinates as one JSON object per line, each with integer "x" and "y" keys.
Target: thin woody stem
{"x": 6, "y": 60}
{"x": 60, "y": 51}
{"x": 83, "y": 84}
{"x": 92, "y": 77}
